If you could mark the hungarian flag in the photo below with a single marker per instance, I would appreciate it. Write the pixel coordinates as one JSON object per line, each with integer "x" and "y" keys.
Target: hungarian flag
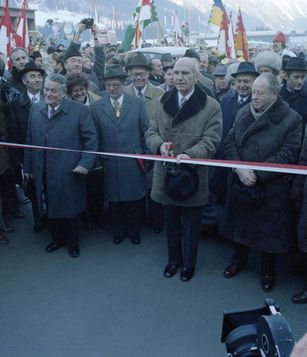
{"x": 5, "y": 31}
{"x": 144, "y": 14}
{"x": 22, "y": 34}
{"x": 217, "y": 12}
{"x": 241, "y": 43}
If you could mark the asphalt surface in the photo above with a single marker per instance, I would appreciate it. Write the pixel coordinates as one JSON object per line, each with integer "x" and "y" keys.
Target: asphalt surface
{"x": 114, "y": 301}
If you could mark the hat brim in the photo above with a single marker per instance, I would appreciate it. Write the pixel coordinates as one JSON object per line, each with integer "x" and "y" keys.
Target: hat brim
{"x": 121, "y": 76}
{"x": 288, "y": 69}
{"x": 26, "y": 70}
{"x": 147, "y": 67}
{"x": 253, "y": 73}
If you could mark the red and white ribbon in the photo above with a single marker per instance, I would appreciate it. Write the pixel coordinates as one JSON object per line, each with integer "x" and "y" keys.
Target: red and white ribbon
{"x": 259, "y": 166}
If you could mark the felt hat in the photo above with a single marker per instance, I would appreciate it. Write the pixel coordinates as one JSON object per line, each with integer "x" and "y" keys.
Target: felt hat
{"x": 296, "y": 64}
{"x": 31, "y": 66}
{"x": 246, "y": 68}
{"x": 115, "y": 71}
{"x": 192, "y": 53}
{"x": 139, "y": 60}
{"x": 72, "y": 52}
{"x": 220, "y": 70}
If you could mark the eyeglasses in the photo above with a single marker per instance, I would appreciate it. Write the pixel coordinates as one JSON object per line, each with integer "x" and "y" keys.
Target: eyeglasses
{"x": 113, "y": 85}
{"x": 140, "y": 74}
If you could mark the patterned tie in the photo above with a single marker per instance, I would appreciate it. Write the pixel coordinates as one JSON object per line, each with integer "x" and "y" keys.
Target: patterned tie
{"x": 140, "y": 94}
{"x": 116, "y": 107}
{"x": 182, "y": 101}
{"x": 51, "y": 113}
{"x": 241, "y": 101}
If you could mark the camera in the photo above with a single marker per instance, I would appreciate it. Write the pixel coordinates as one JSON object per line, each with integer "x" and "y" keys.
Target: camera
{"x": 259, "y": 332}
{"x": 88, "y": 22}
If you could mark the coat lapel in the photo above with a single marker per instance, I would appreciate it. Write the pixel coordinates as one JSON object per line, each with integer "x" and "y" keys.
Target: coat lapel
{"x": 125, "y": 108}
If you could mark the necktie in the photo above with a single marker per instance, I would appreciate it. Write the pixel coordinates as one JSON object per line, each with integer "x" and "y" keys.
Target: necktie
{"x": 241, "y": 101}
{"x": 116, "y": 107}
{"x": 34, "y": 100}
{"x": 182, "y": 101}
{"x": 51, "y": 113}
{"x": 140, "y": 94}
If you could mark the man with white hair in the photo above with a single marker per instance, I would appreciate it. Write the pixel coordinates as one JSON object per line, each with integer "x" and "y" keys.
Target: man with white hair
{"x": 187, "y": 124}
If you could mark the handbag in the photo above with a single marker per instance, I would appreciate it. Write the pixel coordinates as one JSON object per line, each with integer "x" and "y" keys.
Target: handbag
{"x": 181, "y": 181}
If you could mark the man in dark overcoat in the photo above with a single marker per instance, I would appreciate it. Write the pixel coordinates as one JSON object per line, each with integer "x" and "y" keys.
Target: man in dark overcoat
{"x": 294, "y": 90}
{"x": 121, "y": 122}
{"x": 60, "y": 122}
{"x": 257, "y": 212}
{"x": 187, "y": 123}
{"x": 18, "y": 114}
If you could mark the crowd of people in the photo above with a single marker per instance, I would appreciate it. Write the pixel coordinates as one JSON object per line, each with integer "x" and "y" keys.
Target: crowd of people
{"x": 96, "y": 98}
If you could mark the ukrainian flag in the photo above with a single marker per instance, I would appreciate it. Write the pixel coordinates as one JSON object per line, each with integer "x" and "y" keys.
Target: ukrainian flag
{"x": 217, "y": 10}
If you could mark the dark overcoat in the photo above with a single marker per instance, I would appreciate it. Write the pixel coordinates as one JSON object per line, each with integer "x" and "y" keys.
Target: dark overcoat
{"x": 299, "y": 194}
{"x": 297, "y": 100}
{"x": 230, "y": 107}
{"x": 195, "y": 130}
{"x": 273, "y": 138}
{"x": 71, "y": 127}
{"x": 124, "y": 179}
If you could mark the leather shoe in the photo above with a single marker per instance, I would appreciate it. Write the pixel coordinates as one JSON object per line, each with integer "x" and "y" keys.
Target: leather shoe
{"x": 135, "y": 240}
{"x": 170, "y": 270}
{"x": 18, "y": 214}
{"x": 300, "y": 298}
{"x": 74, "y": 252}
{"x": 267, "y": 282}
{"x": 53, "y": 246}
{"x": 118, "y": 239}
{"x": 232, "y": 270}
{"x": 186, "y": 274}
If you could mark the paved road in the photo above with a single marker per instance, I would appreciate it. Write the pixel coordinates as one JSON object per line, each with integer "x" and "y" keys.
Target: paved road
{"x": 114, "y": 301}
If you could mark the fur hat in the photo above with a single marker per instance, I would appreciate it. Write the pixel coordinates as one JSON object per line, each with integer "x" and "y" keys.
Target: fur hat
{"x": 280, "y": 37}
{"x": 268, "y": 59}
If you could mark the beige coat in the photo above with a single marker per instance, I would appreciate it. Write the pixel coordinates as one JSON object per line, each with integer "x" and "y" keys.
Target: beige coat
{"x": 195, "y": 130}
{"x": 152, "y": 94}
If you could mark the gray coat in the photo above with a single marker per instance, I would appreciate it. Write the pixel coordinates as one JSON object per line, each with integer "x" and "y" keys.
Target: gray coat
{"x": 71, "y": 128}
{"x": 124, "y": 180}
{"x": 195, "y": 130}
{"x": 273, "y": 138}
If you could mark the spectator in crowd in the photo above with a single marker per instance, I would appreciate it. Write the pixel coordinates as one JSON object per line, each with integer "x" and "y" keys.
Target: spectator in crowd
{"x": 37, "y": 58}
{"x": 140, "y": 87}
{"x": 204, "y": 82}
{"x": 167, "y": 60}
{"x": 187, "y": 123}
{"x": 19, "y": 57}
{"x": 168, "y": 78}
{"x": 60, "y": 122}
{"x": 122, "y": 120}
{"x": 279, "y": 45}
{"x": 77, "y": 89}
{"x": 268, "y": 61}
{"x": 213, "y": 61}
{"x": 220, "y": 84}
{"x": 19, "y": 108}
{"x": 155, "y": 76}
{"x": 257, "y": 213}
{"x": 294, "y": 90}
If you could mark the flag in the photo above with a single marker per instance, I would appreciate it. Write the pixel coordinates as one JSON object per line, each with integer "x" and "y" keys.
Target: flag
{"x": 145, "y": 13}
{"x": 5, "y": 31}
{"x": 223, "y": 40}
{"x": 231, "y": 42}
{"x": 241, "y": 43}
{"x": 217, "y": 12}
{"x": 22, "y": 35}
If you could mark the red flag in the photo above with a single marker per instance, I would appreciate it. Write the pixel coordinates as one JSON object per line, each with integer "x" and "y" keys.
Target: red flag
{"x": 241, "y": 37}
{"x": 223, "y": 40}
{"x": 5, "y": 31}
{"x": 21, "y": 34}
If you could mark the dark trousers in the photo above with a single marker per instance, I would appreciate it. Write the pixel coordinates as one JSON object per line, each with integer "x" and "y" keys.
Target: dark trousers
{"x": 240, "y": 257}
{"x": 126, "y": 218}
{"x": 65, "y": 230}
{"x": 10, "y": 202}
{"x": 183, "y": 222}
{"x": 155, "y": 214}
